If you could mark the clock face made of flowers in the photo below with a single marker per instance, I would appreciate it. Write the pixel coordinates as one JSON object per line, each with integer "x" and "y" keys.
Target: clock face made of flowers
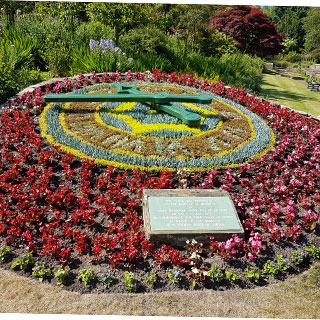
{"x": 136, "y": 135}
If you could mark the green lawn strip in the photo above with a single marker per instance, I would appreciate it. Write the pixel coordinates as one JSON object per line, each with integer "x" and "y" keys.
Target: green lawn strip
{"x": 290, "y": 93}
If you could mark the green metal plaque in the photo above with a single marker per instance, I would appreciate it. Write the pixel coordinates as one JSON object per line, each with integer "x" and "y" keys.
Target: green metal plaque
{"x": 174, "y": 216}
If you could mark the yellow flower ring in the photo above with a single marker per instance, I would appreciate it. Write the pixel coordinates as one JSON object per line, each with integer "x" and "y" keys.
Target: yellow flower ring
{"x": 132, "y": 135}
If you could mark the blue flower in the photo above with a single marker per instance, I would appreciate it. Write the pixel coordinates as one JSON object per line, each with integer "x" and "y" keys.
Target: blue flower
{"x": 93, "y": 44}
{"x": 176, "y": 274}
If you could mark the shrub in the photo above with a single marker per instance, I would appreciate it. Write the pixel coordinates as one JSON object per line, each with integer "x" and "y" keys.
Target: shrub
{"x": 293, "y": 56}
{"x": 41, "y": 272}
{"x": 130, "y": 282}
{"x": 100, "y": 57}
{"x": 215, "y": 273}
{"x": 92, "y": 30}
{"x": 232, "y": 276}
{"x": 107, "y": 279}
{"x": 174, "y": 275}
{"x": 5, "y": 253}
{"x": 214, "y": 43}
{"x": 62, "y": 275}
{"x": 85, "y": 276}
{"x": 151, "y": 278}
{"x": 57, "y": 56}
{"x": 253, "y": 274}
{"x": 270, "y": 268}
{"x": 313, "y": 56}
{"x": 144, "y": 40}
{"x": 44, "y": 27}
{"x": 23, "y": 262}
{"x": 148, "y": 61}
{"x": 313, "y": 251}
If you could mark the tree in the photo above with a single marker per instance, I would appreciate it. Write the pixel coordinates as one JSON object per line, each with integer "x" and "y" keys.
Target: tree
{"x": 122, "y": 17}
{"x": 311, "y": 24}
{"x": 11, "y": 8}
{"x": 289, "y": 21}
{"x": 253, "y": 32}
{"x": 189, "y": 21}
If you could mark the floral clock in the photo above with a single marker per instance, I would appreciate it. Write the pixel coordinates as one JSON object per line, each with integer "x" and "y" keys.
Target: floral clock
{"x": 132, "y": 135}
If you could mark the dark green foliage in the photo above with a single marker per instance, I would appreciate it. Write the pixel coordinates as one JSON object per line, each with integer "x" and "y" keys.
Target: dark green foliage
{"x": 313, "y": 56}
{"x": 289, "y": 22}
{"x": 92, "y": 30}
{"x": 57, "y": 56}
{"x": 144, "y": 40}
{"x": 311, "y": 24}
{"x": 214, "y": 43}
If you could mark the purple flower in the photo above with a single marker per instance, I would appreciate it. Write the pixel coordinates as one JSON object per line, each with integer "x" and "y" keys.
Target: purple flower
{"x": 93, "y": 44}
{"x": 176, "y": 274}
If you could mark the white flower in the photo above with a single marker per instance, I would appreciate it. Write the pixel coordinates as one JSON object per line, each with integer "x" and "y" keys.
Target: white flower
{"x": 194, "y": 241}
{"x": 195, "y": 270}
{"x": 193, "y": 256}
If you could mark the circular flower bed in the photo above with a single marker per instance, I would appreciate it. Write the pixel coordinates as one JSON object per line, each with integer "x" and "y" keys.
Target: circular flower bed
{"x": 134, "y": 136}
{"x": 80, "y": 220}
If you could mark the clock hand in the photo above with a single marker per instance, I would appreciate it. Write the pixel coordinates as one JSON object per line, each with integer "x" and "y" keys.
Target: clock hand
{"x": 160, "y": 101}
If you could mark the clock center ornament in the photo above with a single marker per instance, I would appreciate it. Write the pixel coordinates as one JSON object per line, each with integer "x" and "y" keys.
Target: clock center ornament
{"x": 154, "y": 127}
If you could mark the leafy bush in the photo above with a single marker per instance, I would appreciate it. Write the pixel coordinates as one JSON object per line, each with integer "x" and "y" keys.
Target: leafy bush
{"x": 232, "y": 276}
{"x": 174, "y": 275}
{"x": 85, "y": 276}
{"x": 23, "y": 262}
{"x": 57, "y": 56}
{"x": 130, "y": 282}
{"x": 5, "y": 252}
{"x": 148, "y": 61}
{"x": 144, "y": 40}
{"x": 214, "y": 43}
{"x": 293, "y": 56}
{"x": 92, "y": 30}
{"x": 313, "y": 56}
{"x": 62, "y": 275}
{"x": 41, "y": 272}
{"x": 30, "y": 49}
{"x": 45, "y": 28}
{"x": 253, "y": 274}
{"x": 151, "y": 278}
{"x": 215, "y": 273}
{"x": 101, "y": 56}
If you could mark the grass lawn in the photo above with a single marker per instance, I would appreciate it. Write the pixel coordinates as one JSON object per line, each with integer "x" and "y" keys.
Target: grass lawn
{"x": 290, "y": 93}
